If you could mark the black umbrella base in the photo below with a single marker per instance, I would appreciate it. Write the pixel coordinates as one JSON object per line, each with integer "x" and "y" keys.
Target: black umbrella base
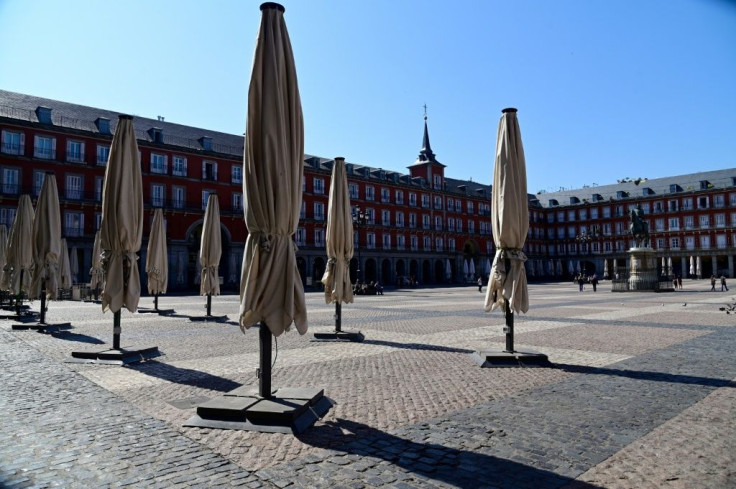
{"x": 500, "y": 359}
{"x": 355, "y": 336}
{"x": 7, "y": 307}
{"x": 163, "y": 312}
{"x": 42, "y": 327}
{"x": 289, "y": 410}
{"x": 123, "y": 356}
{"x": 24, "y": 317}
{"x": 215, "y": 319}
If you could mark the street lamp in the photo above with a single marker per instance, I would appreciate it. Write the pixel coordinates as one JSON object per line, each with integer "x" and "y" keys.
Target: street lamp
{"x": 360, "y": 218}
{"x": 586, "y": 237}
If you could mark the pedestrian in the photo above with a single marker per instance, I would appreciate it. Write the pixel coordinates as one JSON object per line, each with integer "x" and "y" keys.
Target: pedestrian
{"x": 712, "y": 283}
{"x": 679, "y": 281}
{"x": 674, "y": 282}
{"x": 480, "y": 284}
{"x": 594, "y": 282}
{"x": 581, "y": 282}
{"x": 723, "y": 283}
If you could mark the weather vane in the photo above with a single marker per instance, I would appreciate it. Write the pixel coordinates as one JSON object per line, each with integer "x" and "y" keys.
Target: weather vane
{"x": 425, "y": 111}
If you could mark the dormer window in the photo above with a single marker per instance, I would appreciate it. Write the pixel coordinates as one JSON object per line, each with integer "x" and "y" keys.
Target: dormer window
{"x": 103, "y": 125}
{"x": 705, "y": 185}
{"x": 574, "y": 200}
{"x": 157, "y": 135}
{"x": 621, "y": 194}
{"x": 44, "y": 114}
{"x": 206, "y": 143}
{"x": 674, "y": 188}
{"x": 647, "y": 191}
{"x": 596, "y": 197}
{"x": 553, "y": 202}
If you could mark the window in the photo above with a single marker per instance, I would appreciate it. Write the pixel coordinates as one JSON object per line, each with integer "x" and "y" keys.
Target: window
{"x": 74, "y": 187}
{"x": 158, "y": 163}
{"x": 690, "y": 242}
{"x": 471, "y": 227}
{"x": 319, "y": 211}
{"x": 687, "y": 203}
{"x": 437, "y": 181}
{"x": 425, "y": 201}
{"x": 439, "y": 244}
{"x": 571, "y": 216}
{"x": 13, "y": 143}
{"x": 369, "y": 192}
{"x": 237, "y": 201}
{"x": 459, "y": 223}
{"x": 209, "y": 170}
{"x": 236, "y": 174}
{"x": 571, "y": 231}
{"x": 720, "y": 241}
{"x": 319, "y": 237}
{"x": 385, "y": 195}
{"x": 659, "y": 224}
{"x": 158, "y": 195}
{"x": 437, "y": 202}
{"x": 400, "y": 242}
{"x": 44, "y": 147}
{"x": 427, "y": 243}
{"x": 98, "y": 220}
{"x": 689, "y": 222}
{"x": 425, "y": 221}
{"x": 205, "y": 198}
{"x": 319, "y": 186}
{"x": 438, "y": 223}
{"x": 674, "y": 223}
{"x": 451, "y": 244}
{"x": 354, "y": 191}
{"x": 719, "y": 200}
{"x": 412, "y": 199}
{"x": 399, "y": 219}
{"x": 98, "y": 188}
{"x": 661, "y": 244}
{"x": 371, "y": 215}
{"x": 179, "y": 167}
{"x": 702, "y": 202}
{"x": 672, "y": 205}
{"x": 370, "y": 240}
{"x": 103, "y": 154}
{"x": 674, "y": 243}
{"x": 607, "y": 247}
{"x": 7, "y": 216}
{"x": 606, "y": 212}
{"x": 178, "y": 197}
{"x": 705, "y": 242}
{"x": 303, "y": 211}
{"x": 386, "y": 241}
{"x": 658, "y": 207}
{"x": 645, "y": 207}
{"x": 414, "y": 243}
{"x": 450, "y": 224}
{"x": 73, "y": 223}
{"x": 301, "y": 236}
{"x": 412, "y": 220}
{"x": 583, "y": 215}
{"x": 607, "y": 229}
{"x": 733, "y": 219}
{"x": 470, "y": 207}
{"x": 720, "y": 220}
{"x": 560, "y": 216}
{"x": 704, "y": 222}
{"x": 450, "y": 204}
{"x": 304, "y": 183}
{"x": 38, "y": 177}
{"x": 386, "y": 218}
{"x": 400, "y": 197}
{"x": 732, "y": 199}
{"x": 75, "y": 151}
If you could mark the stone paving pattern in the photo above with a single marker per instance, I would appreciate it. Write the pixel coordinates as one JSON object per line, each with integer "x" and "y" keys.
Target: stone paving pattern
{"x": 641, "y": 395}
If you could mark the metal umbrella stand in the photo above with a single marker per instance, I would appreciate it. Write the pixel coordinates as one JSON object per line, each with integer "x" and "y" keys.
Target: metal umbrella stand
{"x": 271, "y": 291}
{"x": 507, "y": 285}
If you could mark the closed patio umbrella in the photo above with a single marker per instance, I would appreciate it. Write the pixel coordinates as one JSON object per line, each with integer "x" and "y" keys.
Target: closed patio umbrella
{"x": 471, "y": 268}
{"x": 669, "y": 265}
{"x": 339, "y": 247}
{"x": 181, "y": 269}
{"x": 46, "y": 243}
{"x": 507, "y": 287}
{"x": 17, "y": 271}
{"x": 65, "y": 273}
{"x": 74, "y": 265}
{"x": 448, "y": 269}
{"x": 96, "y": 274}
{"x": 698, "y": 267}
{"x": 605, "y": 268}
{"x": 3, "y": 260}
{"x": 210, "y": 252}
{"x": 570, "y": 268}
{"x": 487, "y": 269}
{"x": 157, "y": 261}
{"x": 465, "y": 270}
{"x": 692, "y": 266}
{"x": 559, "y": 268}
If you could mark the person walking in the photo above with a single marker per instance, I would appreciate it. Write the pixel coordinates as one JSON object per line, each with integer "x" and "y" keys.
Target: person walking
{"x": 480, "y": 284}
{"x": 594, "y": 282}
{"x": 679, "y": 281}
{"x": 723, "y": 283}
{"x": 581, "y": 282}
{"x": 712, "y": 283}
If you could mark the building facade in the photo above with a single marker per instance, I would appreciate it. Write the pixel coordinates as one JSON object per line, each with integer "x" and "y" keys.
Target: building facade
{"x": 421, "y": 225}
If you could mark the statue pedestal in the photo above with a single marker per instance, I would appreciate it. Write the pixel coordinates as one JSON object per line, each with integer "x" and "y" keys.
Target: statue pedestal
{"x": 642, "y": 269}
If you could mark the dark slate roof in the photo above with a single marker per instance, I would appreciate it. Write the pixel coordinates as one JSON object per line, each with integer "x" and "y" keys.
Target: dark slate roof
{"x": 656, "y": 187}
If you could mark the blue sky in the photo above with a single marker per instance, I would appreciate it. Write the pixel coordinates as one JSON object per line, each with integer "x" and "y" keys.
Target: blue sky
{"x": 605, "y": 89}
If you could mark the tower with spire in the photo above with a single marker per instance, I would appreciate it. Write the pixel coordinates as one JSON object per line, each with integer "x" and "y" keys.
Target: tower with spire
{"x": 426, "y": 166}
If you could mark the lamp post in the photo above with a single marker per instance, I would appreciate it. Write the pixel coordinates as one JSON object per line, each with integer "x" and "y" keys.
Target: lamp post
{"x": 586, "y": 237}
{"x": 360, "y": 218}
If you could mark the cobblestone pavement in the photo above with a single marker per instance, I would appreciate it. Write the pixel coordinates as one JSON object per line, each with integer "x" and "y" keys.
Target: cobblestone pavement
{"x": 641, "y": 395}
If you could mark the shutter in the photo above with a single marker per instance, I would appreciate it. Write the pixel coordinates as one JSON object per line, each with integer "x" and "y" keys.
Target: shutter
{"x": 81, "y": 149}
{"x": 53, "y": 148}
{"x": 22, "y": 149}
{"x": 204, "y": 170}
{"x": 166, "y": 164}
{"x": 214, "y": 167}
{"x": 185, "y": 167}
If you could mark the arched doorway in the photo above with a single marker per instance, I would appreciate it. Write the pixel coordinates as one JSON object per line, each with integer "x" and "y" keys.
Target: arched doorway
{"x": 301, "y": 265}
{"x": 439, "y": 272}
{"x": 370, "y": 270}
{"x": 414, "y": 269}
{"x": 386, "y": 271}
{"x": 401, "y": 278}
{"x": 318, "y": 270}
{"x": 354, "y": 270}
{"x": 426, "y": 272}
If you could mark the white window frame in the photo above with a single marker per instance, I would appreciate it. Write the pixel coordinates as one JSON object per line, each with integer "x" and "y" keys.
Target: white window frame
{"x": 158, "y": 195}
{"x": 44, "y": 147}
{"x": 74, "y": 186}
{"x": 319, "y": 211}
{"x": 237, "y": 201}
{"x": 73, "y": 223}
{"x": 13, "y": 142}
{"x": 103, "y": 154}
{"x": 236, "y": 173}
{"x": 178, "y": 201}
{"x": 318, "y": 186}
{"x": 179, "y": 166}
{"x": 74, "y": 151}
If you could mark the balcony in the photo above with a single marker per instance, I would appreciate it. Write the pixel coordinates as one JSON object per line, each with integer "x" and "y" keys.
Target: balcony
{"x": 44, "y": 153}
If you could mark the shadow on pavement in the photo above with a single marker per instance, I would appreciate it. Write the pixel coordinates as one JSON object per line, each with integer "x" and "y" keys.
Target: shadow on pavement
{"x": 458, "y": 468}
{"x": 69, "y": 336}
{"x": 645, "y": 375}
{"x": 417, "y": 346}
{"x": 185, "y": 376}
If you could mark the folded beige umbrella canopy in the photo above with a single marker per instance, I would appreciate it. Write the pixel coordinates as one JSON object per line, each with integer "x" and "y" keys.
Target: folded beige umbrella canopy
{"x": 17, "y": 271}
{"x": 74, "y": 265}
{"x": 271, "y": 289}
{"x": 121, "y": 229}
{"x": 157, "y": 263}
{"x": 336, "y": 278}
{"x": 46, "y": 233}
{"x": 509, "y": 219}
{"x": 3, "y": 254}
{"x": 96, "y": 274}
{"x": 65, "y": 274}
{"x": 210, "y": 249}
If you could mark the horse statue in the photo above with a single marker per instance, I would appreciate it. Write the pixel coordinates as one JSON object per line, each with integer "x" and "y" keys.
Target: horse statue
{"x": 639, "y": 228}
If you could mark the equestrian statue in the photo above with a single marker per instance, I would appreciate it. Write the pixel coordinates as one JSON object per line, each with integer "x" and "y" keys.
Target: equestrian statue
{"x": 639, "y": 227}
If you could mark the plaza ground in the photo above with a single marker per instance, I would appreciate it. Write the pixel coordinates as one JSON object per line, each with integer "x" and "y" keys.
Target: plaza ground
{"x": 641, "y": 394}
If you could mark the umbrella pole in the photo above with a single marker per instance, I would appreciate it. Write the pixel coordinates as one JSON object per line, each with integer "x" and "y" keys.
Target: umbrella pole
{"x": 209, "y": 304}
{"x": 19, "y": 298}
{"x": 509, "y": 328}
{"x": 116, "y": 331}
{"x": 264, "y": 372}
{"x": 43, "y": 303}
{"x": 155, "y": 302}
{"x": 338, "y": 316}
